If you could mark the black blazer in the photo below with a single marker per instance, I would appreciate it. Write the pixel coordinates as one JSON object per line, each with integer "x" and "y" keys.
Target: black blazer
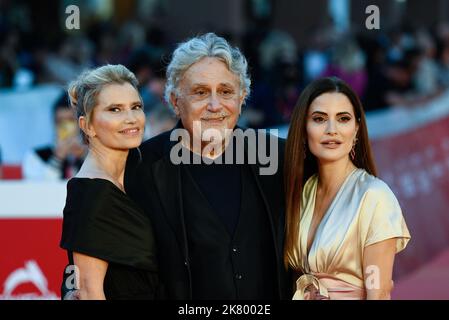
{"x": 154, "y": 182}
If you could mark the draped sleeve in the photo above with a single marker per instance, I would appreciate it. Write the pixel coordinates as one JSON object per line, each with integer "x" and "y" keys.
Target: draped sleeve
{"x": 101, "y": 221}
{"x": 381, "y": 217}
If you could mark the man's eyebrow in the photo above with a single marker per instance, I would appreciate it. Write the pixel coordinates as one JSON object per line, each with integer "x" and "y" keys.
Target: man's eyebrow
{"x": 228, "y": 84}
{"x": 199, "y": 84}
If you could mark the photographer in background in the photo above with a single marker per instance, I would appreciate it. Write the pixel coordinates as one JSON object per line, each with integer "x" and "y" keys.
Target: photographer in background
{"x": 63, "y": 160}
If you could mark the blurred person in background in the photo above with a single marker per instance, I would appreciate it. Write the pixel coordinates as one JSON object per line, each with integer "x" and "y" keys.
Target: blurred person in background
{"x": 159, "y": 120}
{"x": 426, "y": 77}
{"x": 146, "y": 64}
{"x": 407, "y": 77}
{"x": 276, "y": 86}
{"x": 348, "y": 64}
{"x": 73, "y": 56}
{"x": 62, "y": 160}
{"x": 9, "y": 62}
{"x": 107, "y": 236}
{"x": 443, "y": 63}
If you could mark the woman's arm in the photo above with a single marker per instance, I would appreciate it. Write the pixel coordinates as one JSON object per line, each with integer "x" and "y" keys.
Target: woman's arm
{"x": 378, "y": 262}
{"x": 91, "y": 276}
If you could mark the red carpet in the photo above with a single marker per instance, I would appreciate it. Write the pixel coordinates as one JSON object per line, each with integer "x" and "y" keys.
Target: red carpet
{"x": 430, "y": 282}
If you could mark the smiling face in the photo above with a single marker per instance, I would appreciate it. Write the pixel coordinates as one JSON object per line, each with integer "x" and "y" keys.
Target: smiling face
{"x": 117, "y": 121}
{"x": 209, "y": 94}
{"x": 331, "y": 127}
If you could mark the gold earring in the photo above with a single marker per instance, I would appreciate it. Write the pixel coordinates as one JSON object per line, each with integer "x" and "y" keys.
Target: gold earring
{"x": 352, "y": 153}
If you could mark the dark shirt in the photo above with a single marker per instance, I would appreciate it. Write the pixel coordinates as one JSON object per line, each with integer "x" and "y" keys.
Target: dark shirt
{"x": 221, "y": 186}
{"x": 223, "y": 263}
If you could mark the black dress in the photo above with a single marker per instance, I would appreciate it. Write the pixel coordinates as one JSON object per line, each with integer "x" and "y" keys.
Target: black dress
{"x": 103, "y": 222}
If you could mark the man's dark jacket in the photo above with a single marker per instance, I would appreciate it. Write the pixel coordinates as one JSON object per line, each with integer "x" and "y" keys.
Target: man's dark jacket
{"x": 154, "y": 182}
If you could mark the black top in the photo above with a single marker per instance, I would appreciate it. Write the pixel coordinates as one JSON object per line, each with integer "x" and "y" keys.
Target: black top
{"x": 103, "y": 222}
{"x": 221, "y": 186}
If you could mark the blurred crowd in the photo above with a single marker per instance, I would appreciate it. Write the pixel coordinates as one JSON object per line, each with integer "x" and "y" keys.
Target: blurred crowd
{"x": 400, "y": 67}
{"x": 405, "y": 67}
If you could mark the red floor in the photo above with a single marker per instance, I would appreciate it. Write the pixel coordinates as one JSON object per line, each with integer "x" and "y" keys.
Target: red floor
{"x": 430, "y": 282}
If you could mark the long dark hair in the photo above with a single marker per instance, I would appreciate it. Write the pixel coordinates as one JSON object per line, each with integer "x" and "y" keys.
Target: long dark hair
{"x": 300, "y": 164}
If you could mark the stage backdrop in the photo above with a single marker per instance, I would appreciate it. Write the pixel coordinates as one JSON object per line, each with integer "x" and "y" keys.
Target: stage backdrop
{"x": 31, "y": 263}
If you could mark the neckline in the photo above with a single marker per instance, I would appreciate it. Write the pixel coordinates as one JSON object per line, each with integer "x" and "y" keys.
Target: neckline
{"x": 326, "y": 214}
{"x": 102, "y": 179}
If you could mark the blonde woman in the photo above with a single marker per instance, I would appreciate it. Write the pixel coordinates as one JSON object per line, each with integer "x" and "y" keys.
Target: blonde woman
{"x": 108, "y": 238}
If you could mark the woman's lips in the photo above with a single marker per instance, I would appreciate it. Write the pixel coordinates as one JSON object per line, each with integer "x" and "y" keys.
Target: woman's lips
{"x": 331, "y": 144}
{"x": 130, "y": 131}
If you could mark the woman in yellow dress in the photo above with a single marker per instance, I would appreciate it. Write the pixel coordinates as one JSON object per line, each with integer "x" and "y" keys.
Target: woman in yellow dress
{"x": 343, "y": 224}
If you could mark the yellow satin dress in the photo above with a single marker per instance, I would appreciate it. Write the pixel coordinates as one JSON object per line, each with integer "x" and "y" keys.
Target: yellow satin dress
{"x": 363, "y": 212}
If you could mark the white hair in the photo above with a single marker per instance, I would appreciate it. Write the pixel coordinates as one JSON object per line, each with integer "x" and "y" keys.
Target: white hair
{"x": 207, "y": 45}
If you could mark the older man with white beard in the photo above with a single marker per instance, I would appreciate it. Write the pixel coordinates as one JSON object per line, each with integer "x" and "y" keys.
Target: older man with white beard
{"x": 218, "y": 224}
